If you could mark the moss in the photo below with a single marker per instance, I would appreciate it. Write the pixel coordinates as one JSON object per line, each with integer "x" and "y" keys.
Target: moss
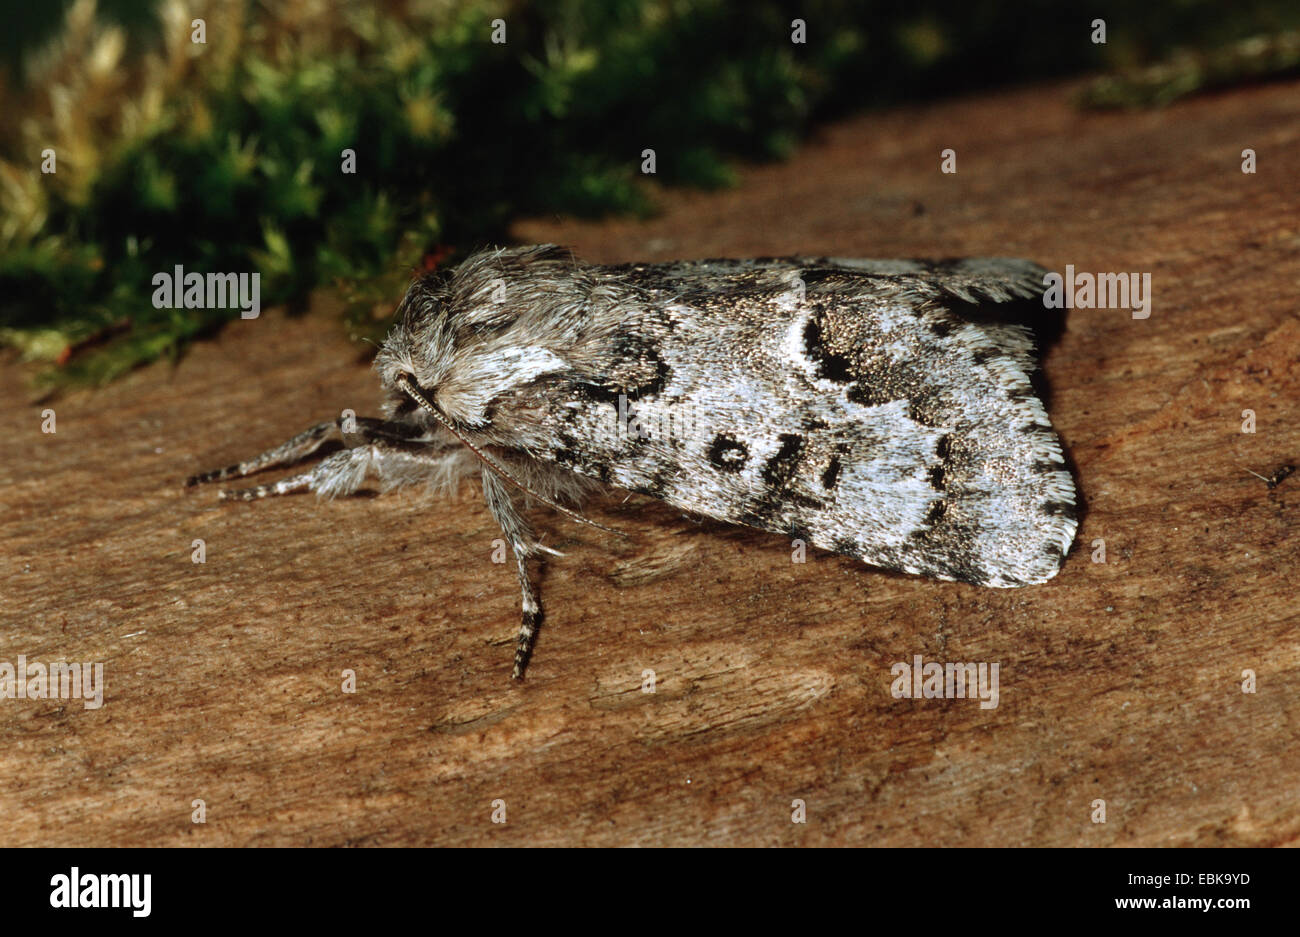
{"x": 226, "y": 156}
{"x": 1191, "y": 71}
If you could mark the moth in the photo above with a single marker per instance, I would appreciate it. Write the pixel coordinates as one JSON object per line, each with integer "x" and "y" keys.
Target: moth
{"x": 878, "y": 409}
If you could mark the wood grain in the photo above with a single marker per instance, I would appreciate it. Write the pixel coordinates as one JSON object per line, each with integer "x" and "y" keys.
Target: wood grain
{"x": 1119, "y": 681}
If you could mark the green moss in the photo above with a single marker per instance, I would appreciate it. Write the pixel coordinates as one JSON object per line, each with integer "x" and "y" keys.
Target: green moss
{"x": 1189, "y": 72}
{"x": 226, "y": 157}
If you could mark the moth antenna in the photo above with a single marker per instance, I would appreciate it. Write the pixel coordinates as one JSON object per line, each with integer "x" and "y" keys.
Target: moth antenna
{"x": 493, "y": 463}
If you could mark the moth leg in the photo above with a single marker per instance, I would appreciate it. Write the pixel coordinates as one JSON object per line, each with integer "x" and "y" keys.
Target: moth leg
{"x": 295, "y": 450}
{"x": 524, "y": 545}
{"x": 367, "y": 429}
{"x": 344, "y": 472}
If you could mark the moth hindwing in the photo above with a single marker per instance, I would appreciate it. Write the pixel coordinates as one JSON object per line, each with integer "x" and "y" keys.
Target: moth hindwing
{"x": 877, "y": 409}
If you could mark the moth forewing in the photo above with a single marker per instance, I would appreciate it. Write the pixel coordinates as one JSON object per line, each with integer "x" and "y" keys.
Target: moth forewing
{"x": 872, "y": 415}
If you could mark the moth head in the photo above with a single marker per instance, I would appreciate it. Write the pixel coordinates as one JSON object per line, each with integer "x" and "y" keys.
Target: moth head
{"x": 477, "y": 342}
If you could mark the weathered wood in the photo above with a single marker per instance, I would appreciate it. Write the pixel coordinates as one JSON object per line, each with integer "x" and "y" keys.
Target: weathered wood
{"x": 1119, "y": 681}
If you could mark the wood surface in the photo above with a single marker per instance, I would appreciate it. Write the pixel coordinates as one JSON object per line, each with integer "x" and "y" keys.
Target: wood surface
{"x": 1119, "y": 681}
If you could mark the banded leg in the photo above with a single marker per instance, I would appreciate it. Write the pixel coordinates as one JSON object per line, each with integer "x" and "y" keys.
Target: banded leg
{"x": 344, "y": 472}
{"x": 524, "y": 545}
{"x": 306, "y": 443}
